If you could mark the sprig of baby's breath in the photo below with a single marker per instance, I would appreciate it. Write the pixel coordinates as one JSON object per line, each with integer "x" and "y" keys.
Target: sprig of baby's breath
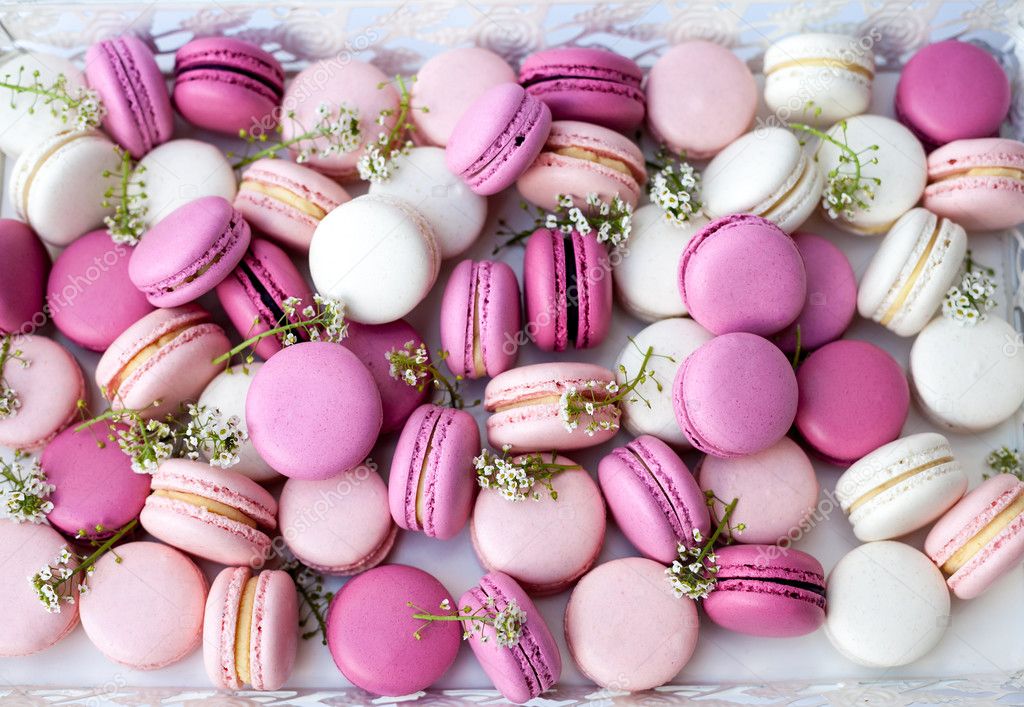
{"x": 610, "y": 221}
{"x": 695, "y": 573}
{"x": 508, "y": 623}
{"x": 969, "y": 300}
{"x": 847, "y": 187}
{"x": 1005, "y": 461}
{"x": 81, "y": 104}
{"x": 338, "y": 126}
{"x": 674, "y": 186}
{"x": 310, "y": 586}
{"x": 24, "y": 491}
{"x": 9, "y": 400}
{"x": 380, "y": 159}
{"x": 515, "y": 477}
{"x": 411, "y": 364}
{"x": 128, "y": 198}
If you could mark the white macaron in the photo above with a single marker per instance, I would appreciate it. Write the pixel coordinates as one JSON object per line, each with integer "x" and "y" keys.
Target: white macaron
{"x": 24, "y": 118}
{"x": 181, "y": 171}
{"x": 226, "y": 393}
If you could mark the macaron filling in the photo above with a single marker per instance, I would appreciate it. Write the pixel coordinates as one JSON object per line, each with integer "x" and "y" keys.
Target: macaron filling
{"x": 285, "y": 196}
{"x": 202, "y": 71}
{"x": 993, "y": 171}
{"x": 794, "y": 582}
{"x": 164, "y": 338}
{"x": 243, "y": 631}
{"x": 208, "y": 504}
{"x": 821, "y": 63}
{"x": 1010, "y": 513}
{"x": 605, "y": 159}
{"x": 552, "y": 73}
{"x": 804, "y": 172}
{"x": 267, "y": 298}
{"x": 573, "y": 292}
{"x": 899, "y": 479}
{"x": 481, "y": 291}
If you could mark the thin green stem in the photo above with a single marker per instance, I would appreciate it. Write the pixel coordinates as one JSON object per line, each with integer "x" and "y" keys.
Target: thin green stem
{"x": 253, "y": 340}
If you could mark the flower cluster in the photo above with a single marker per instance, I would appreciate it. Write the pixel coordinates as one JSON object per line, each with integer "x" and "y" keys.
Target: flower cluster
{"x": 610, "y": 222}
{"x": 695, "y": 573}
{"x": 9, "y": 401}
{"x": 81, "y": 107}
{"x": 379, "y": 161}
{"x": 337, "y": 126}
{"x": 515, "y": 477}
{"x": 970, "y": 300}
{"x": 310, "y": 586}
{"x": 507, "y": 623}
{"x": 24, "y": 492}
{"x": 1006, "y": 461}
{"x": 411, "y": 364}
{"x": 128, "y": 198}
{"x": 847, "y": 188}
{"x": 674, "y": 187}
{"x": 209, "y": 435}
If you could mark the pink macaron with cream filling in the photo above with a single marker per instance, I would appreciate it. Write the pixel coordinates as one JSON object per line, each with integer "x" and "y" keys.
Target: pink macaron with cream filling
{"x": 977, "y": 183}
{"x": 22, "y": 276}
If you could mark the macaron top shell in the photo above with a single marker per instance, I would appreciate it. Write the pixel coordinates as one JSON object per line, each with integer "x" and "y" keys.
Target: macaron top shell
{"x": 977, "y": 183}
{"x": 180, "y": 171}
{"x": 22, "y": 275}
{"x": 22, "y": 123}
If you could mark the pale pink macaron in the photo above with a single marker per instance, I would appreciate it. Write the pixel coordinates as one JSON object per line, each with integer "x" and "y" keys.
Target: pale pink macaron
{"x": 547, "y": 544}
{"x": 978, "y": 183}
{"x": 981, "y": 538}
{"x": 144, "y": 608}
{"x": 47, "y": 383}
{"x": 250, "y": 629}
{"x": 213, "y": 513}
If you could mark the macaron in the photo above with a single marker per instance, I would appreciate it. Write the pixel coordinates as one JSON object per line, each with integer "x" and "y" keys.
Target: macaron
{"x": 980, "y": 538}
{"x": 23, "y": 122}
{"x": 763, "y": 590}
{"x": 967, "y": 378}
{"x": 545, "y": 545}
{"x": 47, "y": 382}
{"x": 455, "y": 213}
{"x": 765, "y": 173}
{"x": 374, "y": 639}
{"x": 209, "y": 512}
{"x": 887, "y": 605}
{"x": 776, "y": 492}
{"x": 650, "y": 411}
{"x": 25, "y": 548}
{"x": 952, "y": 90}
{"x": 901, "y": 486}
{"x": 567, "y": 283}
{"x": 429, "y": 489}
{"x": 181, "y": 171}
{"x": 831, "y": 295}
{"x": 227, "y": 85}
{"x": 480, "y": 319}
{"x": 742, "y": 273}
{"x": 22, "y": 277}
{"x": 590, "y": 84}
{"x": 298, "y": 402}
{"x": 226, "y": 393}
{"x": 497, "y": 138}
{"x": 580, "y": 159}
{"x": 653, "y": 497}
{"x": 911, "y": 271}
{"x": 355, "y": 85}
{"x": 978, "y": 183}
{"x": 250, "y": 629}
{"x": 633, "y": 645}
{"x": 161, "y": 360}
{"x": 144, "y": 608}
{"x": 341, "y": 525}
{"x": 525, "y": 408}
{"x": 57, "y": 185}
{"x": 285, "y": 201}
{"x": 382, "y": 275}
{"x": 734, "y": 396}
{"x": 478, "y": 70}
{"x": 900, "y": 169}
{"x": 125, "y": 74}
{"x": 97, "y": 492}
{"x": 704, "y": 118}
{"x": 253, "y": 293}
{"x": 527, "y": 669}
{"x": 189, "y": 252}
{"x": 854, "y": 398}
{"x": 86, "y": 277}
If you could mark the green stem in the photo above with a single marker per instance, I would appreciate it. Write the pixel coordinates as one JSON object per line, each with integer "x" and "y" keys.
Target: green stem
{"x": 273, "y": 149}
{"x": 449, "y": 388}
{"x": 630, "y": 385}
{"x": 102, "y": 550}
{"x": 314, "y": 609}
{"x": 37, "y": 90}
{"x": 253, "y": 340}
{"x": 797, "y": 351}
{"x": 842, "y": 146}
{"x": 722, "y": 523}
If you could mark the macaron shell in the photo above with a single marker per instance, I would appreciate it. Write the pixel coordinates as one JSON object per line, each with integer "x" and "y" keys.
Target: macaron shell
{"x": 180, "y": 171}
{"x": 976, "y": 202}
{"x": 22, "y": 274}
{"x": 22, "y": 125}
{"x": 274, "y": 641}
{"x": 220, "y": 626}
{"x": 227, "y": 393}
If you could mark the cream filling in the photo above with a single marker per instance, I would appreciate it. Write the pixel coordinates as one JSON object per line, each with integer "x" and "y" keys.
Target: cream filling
{"x": 1009, "y": 172}
{"x": 984, "y": 536}
{"x": 581, "y": 153}
{"x": 775, "y": 205}
{"x": 542, "y": 399}
{"x": 285, "y": 196}
{"x": 478, "y": 350}
{"x": 139, "y": 359}
{"x": 243, "y": 631}
{"x": 821, "y": 62}
{"x": 198, "y": 273}
{"x": 422, "y": 478}
{"x": 209, "y": 504}
{"x": 898, "y": 479}
{"x": 908, "y": 285}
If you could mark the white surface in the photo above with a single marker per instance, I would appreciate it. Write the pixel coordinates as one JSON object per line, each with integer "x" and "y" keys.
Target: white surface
{"x": 180, "y": 171}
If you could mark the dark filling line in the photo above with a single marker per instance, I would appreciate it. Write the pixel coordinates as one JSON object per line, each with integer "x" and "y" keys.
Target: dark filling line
{"x": 622, "y": 81}
{"x": 795, "y": 583}
{"x": 267, "y": 299}
{"x": 572, "y": 295}
{"x": 275, "y": 87}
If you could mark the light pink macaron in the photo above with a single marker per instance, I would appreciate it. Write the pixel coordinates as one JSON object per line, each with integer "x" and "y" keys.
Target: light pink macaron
{"x": 978, "y": 183}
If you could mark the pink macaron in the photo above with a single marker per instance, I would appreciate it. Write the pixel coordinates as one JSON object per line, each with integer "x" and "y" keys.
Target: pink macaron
{"x": 252, "y": 294}
{"x": 22, "y": 277}
{"x": 978, "y": 183}
{"x": 586, "y": 83}
{"x": 497, "y": 138}
{"x": 162, "y": 360}
{"x": 285, "y": 201}
{"x": 653, "y": 497}
{"x": 189, "y": 252}
{"x": 144, "y": 608}
{"x": 213, "y": 513}
{"x": 736, "y": 395}
{"x": 125, "y": 74}
{"x": 430, "y": 488}
{"x": 227, "y": 85}
{"x": 47, "y": 383}
{"x": 86, "y": 278}
{"x": 547, "y": 544}
{"x": 525, "y": 670}
{"x": 250, "y": 629}
{"x": 763, "y": 590}
{"x": 742, "y": 273}
{"x": 981, "y": 538}
{"x": 376, "y": 642}
{"x": 567, "y": 280}
{"x": 300, "y": 402}
{"x": 854, "y": 398}
{"x": 526, "y": 411}
{"x": 952, "y": 90}
{"x": 580, "y": 159}
{"x": 480, "y": 319}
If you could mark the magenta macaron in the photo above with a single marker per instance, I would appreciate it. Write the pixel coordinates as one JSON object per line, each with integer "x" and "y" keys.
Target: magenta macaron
{"x": 763, "y": 590}
{"x": 227, "y": 85}
{"x": 498, "y": 138}
{"x": 568, "y": 290}
{"x": 480, "y": 318}
{"x": 22, "y": 277}
{"x": 978, "y": 183}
